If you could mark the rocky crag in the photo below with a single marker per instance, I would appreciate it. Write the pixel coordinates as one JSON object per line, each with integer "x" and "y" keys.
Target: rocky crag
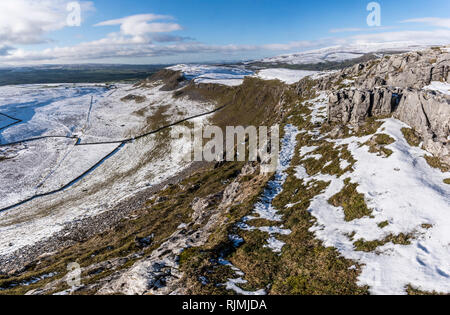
{"x": 395, "y": 85}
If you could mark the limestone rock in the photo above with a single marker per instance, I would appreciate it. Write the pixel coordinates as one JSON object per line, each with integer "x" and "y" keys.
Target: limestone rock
{"x": 394, "y": 85}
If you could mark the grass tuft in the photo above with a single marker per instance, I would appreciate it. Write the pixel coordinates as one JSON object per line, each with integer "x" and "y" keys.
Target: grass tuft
{"x": 377, "y": 144}
{"x": 436, "y": 162}
{"x": 411, "y": 137}
{"x": 383, "y": 224}
{"x": 370, "y": 246}
{"x": 351, "y": 201}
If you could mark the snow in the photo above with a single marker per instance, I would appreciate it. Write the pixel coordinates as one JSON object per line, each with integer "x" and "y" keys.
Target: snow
{"x": 403, "y": 190}
{"x": 115, "y": 171}
{"x": 314, "y": 156}
{"x": 77, "y": 160}
{"x": 236, "y": 240}
{"x": 45, "y": 110}
{"x": 319, "y": 112}
{"x": 113, "y": 120}
{"x": 234, "y": 76}
{"x": 231, "y": 76}
{"x": 348, "y": 81}
{"x": 33, "y": 280}
{"x": 232, "y": 284}
{"x": 264, "y": 209}
{"x": 275, "y": 245}
{"x": 285, "y": 75}
{"x": 306, "y": 150}
{"x": 442, "y": 87}
{"x": 340, "y": 53}
{"x": 315, "y": 56}
{"x": 344, "y": 164}
{"x": 21, "y": 173}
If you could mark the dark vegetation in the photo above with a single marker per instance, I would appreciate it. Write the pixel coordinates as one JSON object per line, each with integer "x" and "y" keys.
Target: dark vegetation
{"x": 370, "y": 246}
{"x": 411, "y": 137}
{"x": 351, "y": 201}
{"x": 377, "y": 144}
{"x": 436, "y": 162}
{"x": 76, "y": 74}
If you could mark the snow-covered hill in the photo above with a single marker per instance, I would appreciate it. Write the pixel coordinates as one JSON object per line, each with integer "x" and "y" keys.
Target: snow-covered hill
{"x": 234, "y": 75}
{"x": 339, "y": 53}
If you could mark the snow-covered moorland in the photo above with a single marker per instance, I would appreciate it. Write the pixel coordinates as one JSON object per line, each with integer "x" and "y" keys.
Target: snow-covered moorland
{"x": 339, "y": 53}
{"x": 285, "y": 75}
{"x": 79, "y": 157}
{"x": 233, "y": 76}
{"x": 230, "y": 76}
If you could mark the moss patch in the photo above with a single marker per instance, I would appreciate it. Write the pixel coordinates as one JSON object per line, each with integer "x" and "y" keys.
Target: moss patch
{"x": 377, "y": 144}
{"x": 351, "y": 201}
{"x": 447, "y": 181}
{"x": 370, "y": 246}
{"x": 436, "y": 162}
{"x": 370, "y": 126}
{"x": 411, "y": 290}
{"x": 137, "y": 98}
{"x": 411, "y": 137}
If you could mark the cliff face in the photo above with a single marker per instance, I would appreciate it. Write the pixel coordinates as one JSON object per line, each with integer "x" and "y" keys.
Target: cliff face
{"x": 395, "y": 85}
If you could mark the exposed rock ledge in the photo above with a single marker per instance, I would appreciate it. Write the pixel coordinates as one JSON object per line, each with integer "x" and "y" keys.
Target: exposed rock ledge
{"x": 428, "y": 112}
{"x": 393, "y": 85}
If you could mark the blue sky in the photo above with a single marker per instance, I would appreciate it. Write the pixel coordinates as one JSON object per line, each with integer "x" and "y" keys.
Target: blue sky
{"x": 173, "y": 31}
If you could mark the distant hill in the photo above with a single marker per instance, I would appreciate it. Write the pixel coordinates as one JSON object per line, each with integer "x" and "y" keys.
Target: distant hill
{"x": 90, "y": 73}
{"x": 332, "y": 58}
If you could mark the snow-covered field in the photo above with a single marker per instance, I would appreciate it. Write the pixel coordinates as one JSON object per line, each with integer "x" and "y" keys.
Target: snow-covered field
{"x": 81, "y": 166}
{"x": 315, "y": 56}
{"x": 234, "y": 76}
{"x": 45, "y": 110}
{"x": 285, "y": 75}
{"x": 230, "y": 76}
{"x": 402, "y": 190}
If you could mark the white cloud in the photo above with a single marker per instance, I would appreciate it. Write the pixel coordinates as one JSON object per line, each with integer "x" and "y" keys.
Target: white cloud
{"x": 28, "y": 21}
{"x": 142, "y": 25}
{"x": 434, "y": 37}
{"x": 439, "y": 22}
{"x": 149, "y": 35}
{"x": 117, "y": 46}
{"x": 355, "y": 29}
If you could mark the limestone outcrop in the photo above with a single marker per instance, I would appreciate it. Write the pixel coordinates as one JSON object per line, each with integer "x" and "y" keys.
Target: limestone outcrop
{"x": 394, "y": 85}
